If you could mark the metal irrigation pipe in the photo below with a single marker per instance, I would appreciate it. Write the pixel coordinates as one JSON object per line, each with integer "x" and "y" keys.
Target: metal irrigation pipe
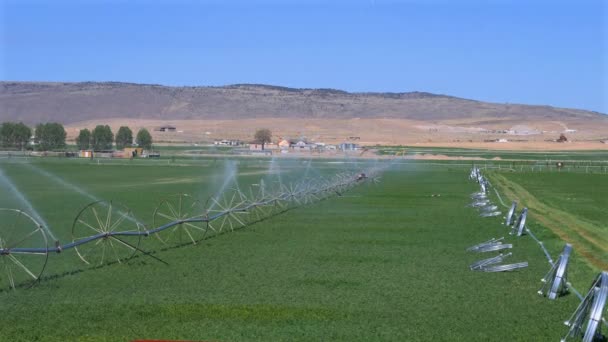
{"x": 282, "y": 196}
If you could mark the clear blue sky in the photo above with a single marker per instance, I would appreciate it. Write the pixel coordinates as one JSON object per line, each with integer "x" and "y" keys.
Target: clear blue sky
{"x": 538, "y": 52}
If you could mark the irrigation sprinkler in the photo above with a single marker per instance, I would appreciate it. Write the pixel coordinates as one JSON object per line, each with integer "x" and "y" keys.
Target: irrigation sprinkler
{"x": 179, "y": 208}
{"x": 100, "y": 222}
{"x": 586, "y": 320}
{"x": 106, "y": 232}
{"x": 226, "y": 211}
{"x": 555, "y": 283}
{"x": 519, "y": 228}
{"x": 509, "y": 218}
{"x": 20, "y": 267}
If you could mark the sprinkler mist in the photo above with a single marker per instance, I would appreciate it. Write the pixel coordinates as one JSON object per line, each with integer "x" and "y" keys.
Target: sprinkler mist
{"x": 107, "y": 232}
{"x": 23, "y": 201}
{"x": 66, "y": 185}
{"x": 230, "y": 173}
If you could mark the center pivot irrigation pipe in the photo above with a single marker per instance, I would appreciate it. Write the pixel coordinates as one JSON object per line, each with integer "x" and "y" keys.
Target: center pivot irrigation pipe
{"x": 104, "y": 230}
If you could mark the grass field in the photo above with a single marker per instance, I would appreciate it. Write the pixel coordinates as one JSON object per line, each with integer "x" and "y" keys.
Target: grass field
{"x": 593, "y": 157}
{"x": 572, "y": 205}
{"x": 381, "y": 262}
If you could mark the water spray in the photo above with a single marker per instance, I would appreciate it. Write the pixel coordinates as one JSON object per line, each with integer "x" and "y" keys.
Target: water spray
{"x": 25, "y": 203}
{"x": 105, "y": 232}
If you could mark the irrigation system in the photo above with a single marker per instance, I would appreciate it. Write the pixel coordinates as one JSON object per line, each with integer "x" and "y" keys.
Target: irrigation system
{"x": 586, "y": 321}
{"x": 555, "y": 282}
{"x": 105, "y": 231}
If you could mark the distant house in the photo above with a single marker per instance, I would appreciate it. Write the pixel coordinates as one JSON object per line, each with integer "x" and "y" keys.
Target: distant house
{"x": 226, "y": 142}
{"x": 85, "y": 153}
{"x": 348, "y": 147}
{"x": 301, "y": 145}
{"x": 258, "y": 147}
{"x": 165, "y": 128}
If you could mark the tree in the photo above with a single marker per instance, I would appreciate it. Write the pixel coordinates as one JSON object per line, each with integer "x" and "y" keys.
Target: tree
{"x": 21, "y": 135}
{"x": 6, "y": 134}
{"x": 50, "y": 136}
{"x": 262, "y": 136}
{"x": 84, "y": 139}
{"x": 124, "y": 137}
{"x": 102, "y": 138}
{"x": 144, "y": 139}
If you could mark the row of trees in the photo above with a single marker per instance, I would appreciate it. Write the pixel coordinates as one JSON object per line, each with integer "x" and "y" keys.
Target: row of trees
{"x": 14, "y": 135}
{"x": 101, "y": 138}
{"x": 51, "y": 136}
{"x": 48, "y": 136}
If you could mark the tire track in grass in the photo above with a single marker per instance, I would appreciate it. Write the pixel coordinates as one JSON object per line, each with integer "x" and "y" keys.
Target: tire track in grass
{"x": 588, "y": 239}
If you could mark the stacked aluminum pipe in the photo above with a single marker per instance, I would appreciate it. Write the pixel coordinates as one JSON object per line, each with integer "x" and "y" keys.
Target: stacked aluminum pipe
{"x": 482, "y": 202}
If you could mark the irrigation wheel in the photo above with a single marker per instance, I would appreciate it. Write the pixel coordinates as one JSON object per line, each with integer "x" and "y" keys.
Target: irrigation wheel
{"x": 178, "y": 208}
{"x": 106, "y": 232}
{"x": 225, "y": 211}
{"x": 22, "y": 268}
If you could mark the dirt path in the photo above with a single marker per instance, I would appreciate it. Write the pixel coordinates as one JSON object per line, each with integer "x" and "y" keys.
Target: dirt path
{"x": 588, "y": 240}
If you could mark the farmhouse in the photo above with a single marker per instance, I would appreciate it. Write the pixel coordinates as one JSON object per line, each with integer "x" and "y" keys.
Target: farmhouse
{"x": 258, "y": 147}
{"x": 226, "y": 142}
{"x": 165, "y": 128}
{"x": 348, "y": 147}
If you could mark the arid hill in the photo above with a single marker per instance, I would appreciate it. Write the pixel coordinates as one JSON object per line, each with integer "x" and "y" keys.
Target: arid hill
{"x": 33, "y": 102}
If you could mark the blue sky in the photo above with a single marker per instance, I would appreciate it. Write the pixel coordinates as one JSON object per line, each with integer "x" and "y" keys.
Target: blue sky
{"x": 537, "y": 52}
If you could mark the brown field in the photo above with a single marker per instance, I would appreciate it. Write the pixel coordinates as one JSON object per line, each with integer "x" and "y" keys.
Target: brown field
{"x": 373, "y": 131}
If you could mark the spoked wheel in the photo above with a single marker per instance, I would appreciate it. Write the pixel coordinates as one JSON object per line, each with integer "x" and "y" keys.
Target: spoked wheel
{"x": 106, "y": 232}
{"x": 23, "y": 249}
{"x": 293, "y": 194}
{"x": 176, "y": 209}
{"x": 224, "y": 212}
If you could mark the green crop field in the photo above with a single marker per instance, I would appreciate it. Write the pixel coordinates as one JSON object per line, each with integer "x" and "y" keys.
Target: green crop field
{"x": 572, "y": 205}
{"x": 383, "y": 261}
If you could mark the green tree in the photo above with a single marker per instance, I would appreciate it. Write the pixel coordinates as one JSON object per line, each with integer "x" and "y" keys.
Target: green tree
{"x": 262, "y": 136}
{"x": 84, "y": 139}
{"x": 50, "y": 136}
{"x": 102, "y": 138}
{"x": 21, "y": 135}
{"x": 7, "y": 131}
{"x": 144, "y": 139}
{"x": 124, "y": 137}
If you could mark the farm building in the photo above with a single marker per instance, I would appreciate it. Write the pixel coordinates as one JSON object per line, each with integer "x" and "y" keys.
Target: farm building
{"x": 258, "y": 147}
{"x": 85, "y": 154}
{"x": 348, "y": 147}
{"x": 130, "y": 152}
{"x": 166, "y": 128}
{"x": 226, "y": 142}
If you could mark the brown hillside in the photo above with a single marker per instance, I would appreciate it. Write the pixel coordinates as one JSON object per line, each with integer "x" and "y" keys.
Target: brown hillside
{"x": 34, "y": 102}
